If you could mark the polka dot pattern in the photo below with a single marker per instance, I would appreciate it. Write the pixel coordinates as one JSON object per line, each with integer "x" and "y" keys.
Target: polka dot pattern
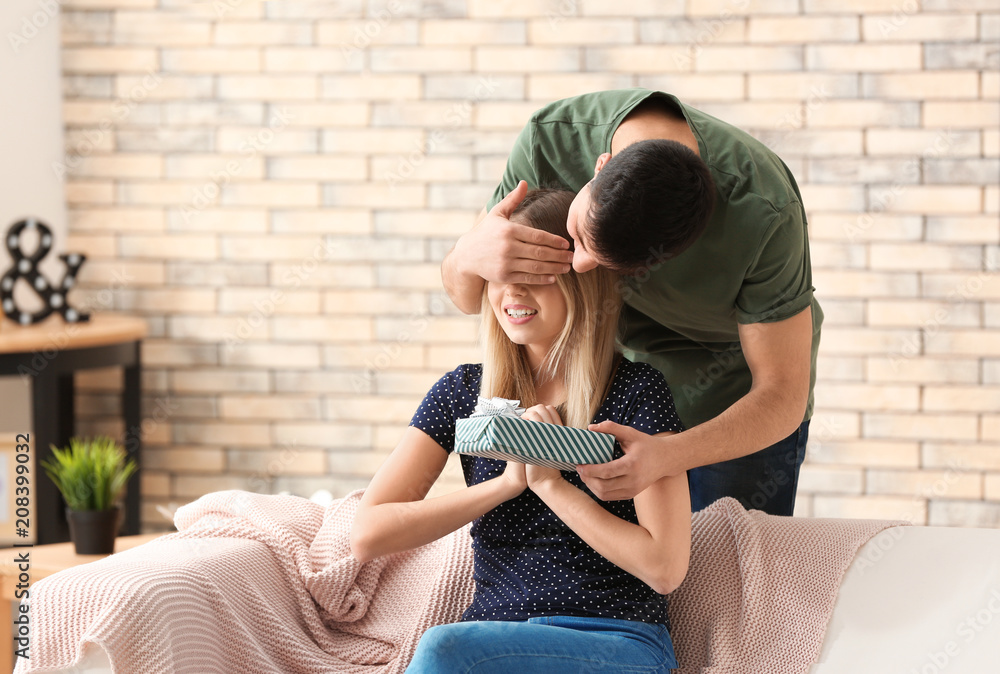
{"x": 527, "y": 562}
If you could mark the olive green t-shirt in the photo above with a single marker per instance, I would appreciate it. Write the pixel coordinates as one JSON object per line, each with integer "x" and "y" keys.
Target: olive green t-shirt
{"x": 750, "y": 266}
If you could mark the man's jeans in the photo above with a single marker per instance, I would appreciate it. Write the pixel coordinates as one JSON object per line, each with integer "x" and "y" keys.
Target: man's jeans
{"x": 765, "y": 480}
{"x": 547, "y": 645}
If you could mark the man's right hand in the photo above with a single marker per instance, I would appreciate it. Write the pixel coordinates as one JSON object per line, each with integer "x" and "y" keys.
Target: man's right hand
{"x": 502, "y": 251}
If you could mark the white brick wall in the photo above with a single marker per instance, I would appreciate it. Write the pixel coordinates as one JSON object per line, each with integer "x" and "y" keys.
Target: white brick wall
{"x": 272, "y": 186}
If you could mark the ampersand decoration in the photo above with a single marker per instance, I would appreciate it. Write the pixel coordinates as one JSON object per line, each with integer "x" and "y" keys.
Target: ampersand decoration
{"x": 26, "y": 267}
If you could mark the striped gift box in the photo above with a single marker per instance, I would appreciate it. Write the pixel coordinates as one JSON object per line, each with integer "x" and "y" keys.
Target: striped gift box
{"x": 511, "y": 438}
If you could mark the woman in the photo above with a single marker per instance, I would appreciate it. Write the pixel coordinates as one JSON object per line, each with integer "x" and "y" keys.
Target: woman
{"x": 564, "y": 582}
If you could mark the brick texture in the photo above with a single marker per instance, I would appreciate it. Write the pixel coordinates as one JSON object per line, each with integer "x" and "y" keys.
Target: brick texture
{"x": 273, "y": 187}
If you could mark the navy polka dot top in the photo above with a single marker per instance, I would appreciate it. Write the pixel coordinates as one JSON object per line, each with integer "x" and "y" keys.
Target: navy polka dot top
{"x": 527, "y": 562}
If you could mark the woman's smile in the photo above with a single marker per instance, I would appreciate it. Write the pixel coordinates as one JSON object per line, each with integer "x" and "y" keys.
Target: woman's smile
{"x": 519, "y": 314}
{"x": 530, "y": 315}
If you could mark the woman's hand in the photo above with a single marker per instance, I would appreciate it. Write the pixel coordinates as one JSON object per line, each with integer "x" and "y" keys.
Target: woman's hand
{"x": 515, "y": 477}
{"x": 544, "y": 413}
{"x": 540, "y": 476}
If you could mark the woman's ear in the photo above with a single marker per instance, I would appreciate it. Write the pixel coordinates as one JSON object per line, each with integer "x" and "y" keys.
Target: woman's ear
{"x": 601, "y": 161}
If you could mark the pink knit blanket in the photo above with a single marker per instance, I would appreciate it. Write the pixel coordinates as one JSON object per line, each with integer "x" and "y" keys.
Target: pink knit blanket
{"x": 254, "y": 583}
{"x": 760, "y": 589}
{"x": 281, "y": 593}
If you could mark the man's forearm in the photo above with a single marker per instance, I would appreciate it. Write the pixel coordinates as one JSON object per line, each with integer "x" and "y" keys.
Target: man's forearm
{"x": 757, "y": 420}
{"x": 464, "y": 290}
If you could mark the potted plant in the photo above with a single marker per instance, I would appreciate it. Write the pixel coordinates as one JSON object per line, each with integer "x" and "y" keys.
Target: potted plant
{"x": 91, "y": 475}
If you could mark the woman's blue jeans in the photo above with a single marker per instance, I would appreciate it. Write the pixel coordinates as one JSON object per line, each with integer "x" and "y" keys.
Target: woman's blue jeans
{"x": 547, "y": 645}
{"x": 766, "y": 480}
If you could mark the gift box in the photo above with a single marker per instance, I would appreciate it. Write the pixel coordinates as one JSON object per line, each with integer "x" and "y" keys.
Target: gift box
{"x": 515, "y": 439}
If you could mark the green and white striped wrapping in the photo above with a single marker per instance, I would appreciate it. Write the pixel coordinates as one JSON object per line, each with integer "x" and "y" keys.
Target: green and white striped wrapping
{"x": 541, "y": 444}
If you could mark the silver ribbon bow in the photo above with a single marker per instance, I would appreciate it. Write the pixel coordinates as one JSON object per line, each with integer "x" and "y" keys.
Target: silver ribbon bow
{"x": 497, "y": 407}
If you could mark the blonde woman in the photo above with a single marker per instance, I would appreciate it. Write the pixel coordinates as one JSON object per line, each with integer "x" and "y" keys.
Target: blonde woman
{"x": 564, "y": 582}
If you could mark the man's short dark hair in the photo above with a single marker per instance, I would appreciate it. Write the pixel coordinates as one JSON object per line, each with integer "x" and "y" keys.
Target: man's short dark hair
{"x": 649, "y": 203}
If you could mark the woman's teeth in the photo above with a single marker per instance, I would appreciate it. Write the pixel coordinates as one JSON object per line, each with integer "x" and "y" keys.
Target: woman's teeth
{"x": 519, "y": 313}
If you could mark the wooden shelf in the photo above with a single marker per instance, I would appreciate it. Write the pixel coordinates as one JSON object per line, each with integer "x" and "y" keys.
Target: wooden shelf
{"x": 55, "y": 333}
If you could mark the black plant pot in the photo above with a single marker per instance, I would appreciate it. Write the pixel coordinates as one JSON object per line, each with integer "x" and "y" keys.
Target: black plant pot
{"x": 93, "y": 531}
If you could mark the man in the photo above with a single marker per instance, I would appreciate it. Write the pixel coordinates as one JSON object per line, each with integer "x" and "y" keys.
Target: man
{"x": 709, "y": 227}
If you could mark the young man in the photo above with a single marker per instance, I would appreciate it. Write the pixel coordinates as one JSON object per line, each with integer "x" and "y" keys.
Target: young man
{"x": 709, "y": 228}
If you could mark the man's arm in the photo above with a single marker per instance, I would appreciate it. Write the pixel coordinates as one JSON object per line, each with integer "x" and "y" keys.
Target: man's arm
{"x": 778, "y": 355}
{"x": 499, "y": 250}
{"x": 465, "y": 290}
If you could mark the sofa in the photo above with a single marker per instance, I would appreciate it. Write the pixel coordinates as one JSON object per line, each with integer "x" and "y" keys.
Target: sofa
{"x": 764, "y": 594}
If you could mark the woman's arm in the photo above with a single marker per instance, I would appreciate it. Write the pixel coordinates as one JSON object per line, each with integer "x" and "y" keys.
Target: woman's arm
{"x": 656, "y": 551}
{"x": 394, "y": 516}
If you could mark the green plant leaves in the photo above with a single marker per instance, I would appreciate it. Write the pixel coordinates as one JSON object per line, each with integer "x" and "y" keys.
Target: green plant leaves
{"x": 90, "y": 474}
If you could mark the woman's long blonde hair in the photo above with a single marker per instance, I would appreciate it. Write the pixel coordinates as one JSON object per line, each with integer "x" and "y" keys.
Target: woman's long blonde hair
{"x": 584, "y": 352}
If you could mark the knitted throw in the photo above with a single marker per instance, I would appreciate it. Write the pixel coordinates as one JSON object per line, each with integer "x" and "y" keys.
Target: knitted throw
{"x": 281, "y": 594}
{"x": 279, "y": 591}
{"x": 760, "y": 589}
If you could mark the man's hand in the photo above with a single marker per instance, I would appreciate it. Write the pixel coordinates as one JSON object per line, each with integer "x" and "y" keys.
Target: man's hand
{"x": 643, "y": 464}
{"x": 499, "y": 250}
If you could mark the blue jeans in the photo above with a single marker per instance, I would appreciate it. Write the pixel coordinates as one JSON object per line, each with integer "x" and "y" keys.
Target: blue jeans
{"x": 547, "y": 645}
{"x": 765, "y": 480}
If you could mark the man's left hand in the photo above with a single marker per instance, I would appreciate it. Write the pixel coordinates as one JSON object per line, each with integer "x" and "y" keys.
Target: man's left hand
{"x": 646, "y": 460}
